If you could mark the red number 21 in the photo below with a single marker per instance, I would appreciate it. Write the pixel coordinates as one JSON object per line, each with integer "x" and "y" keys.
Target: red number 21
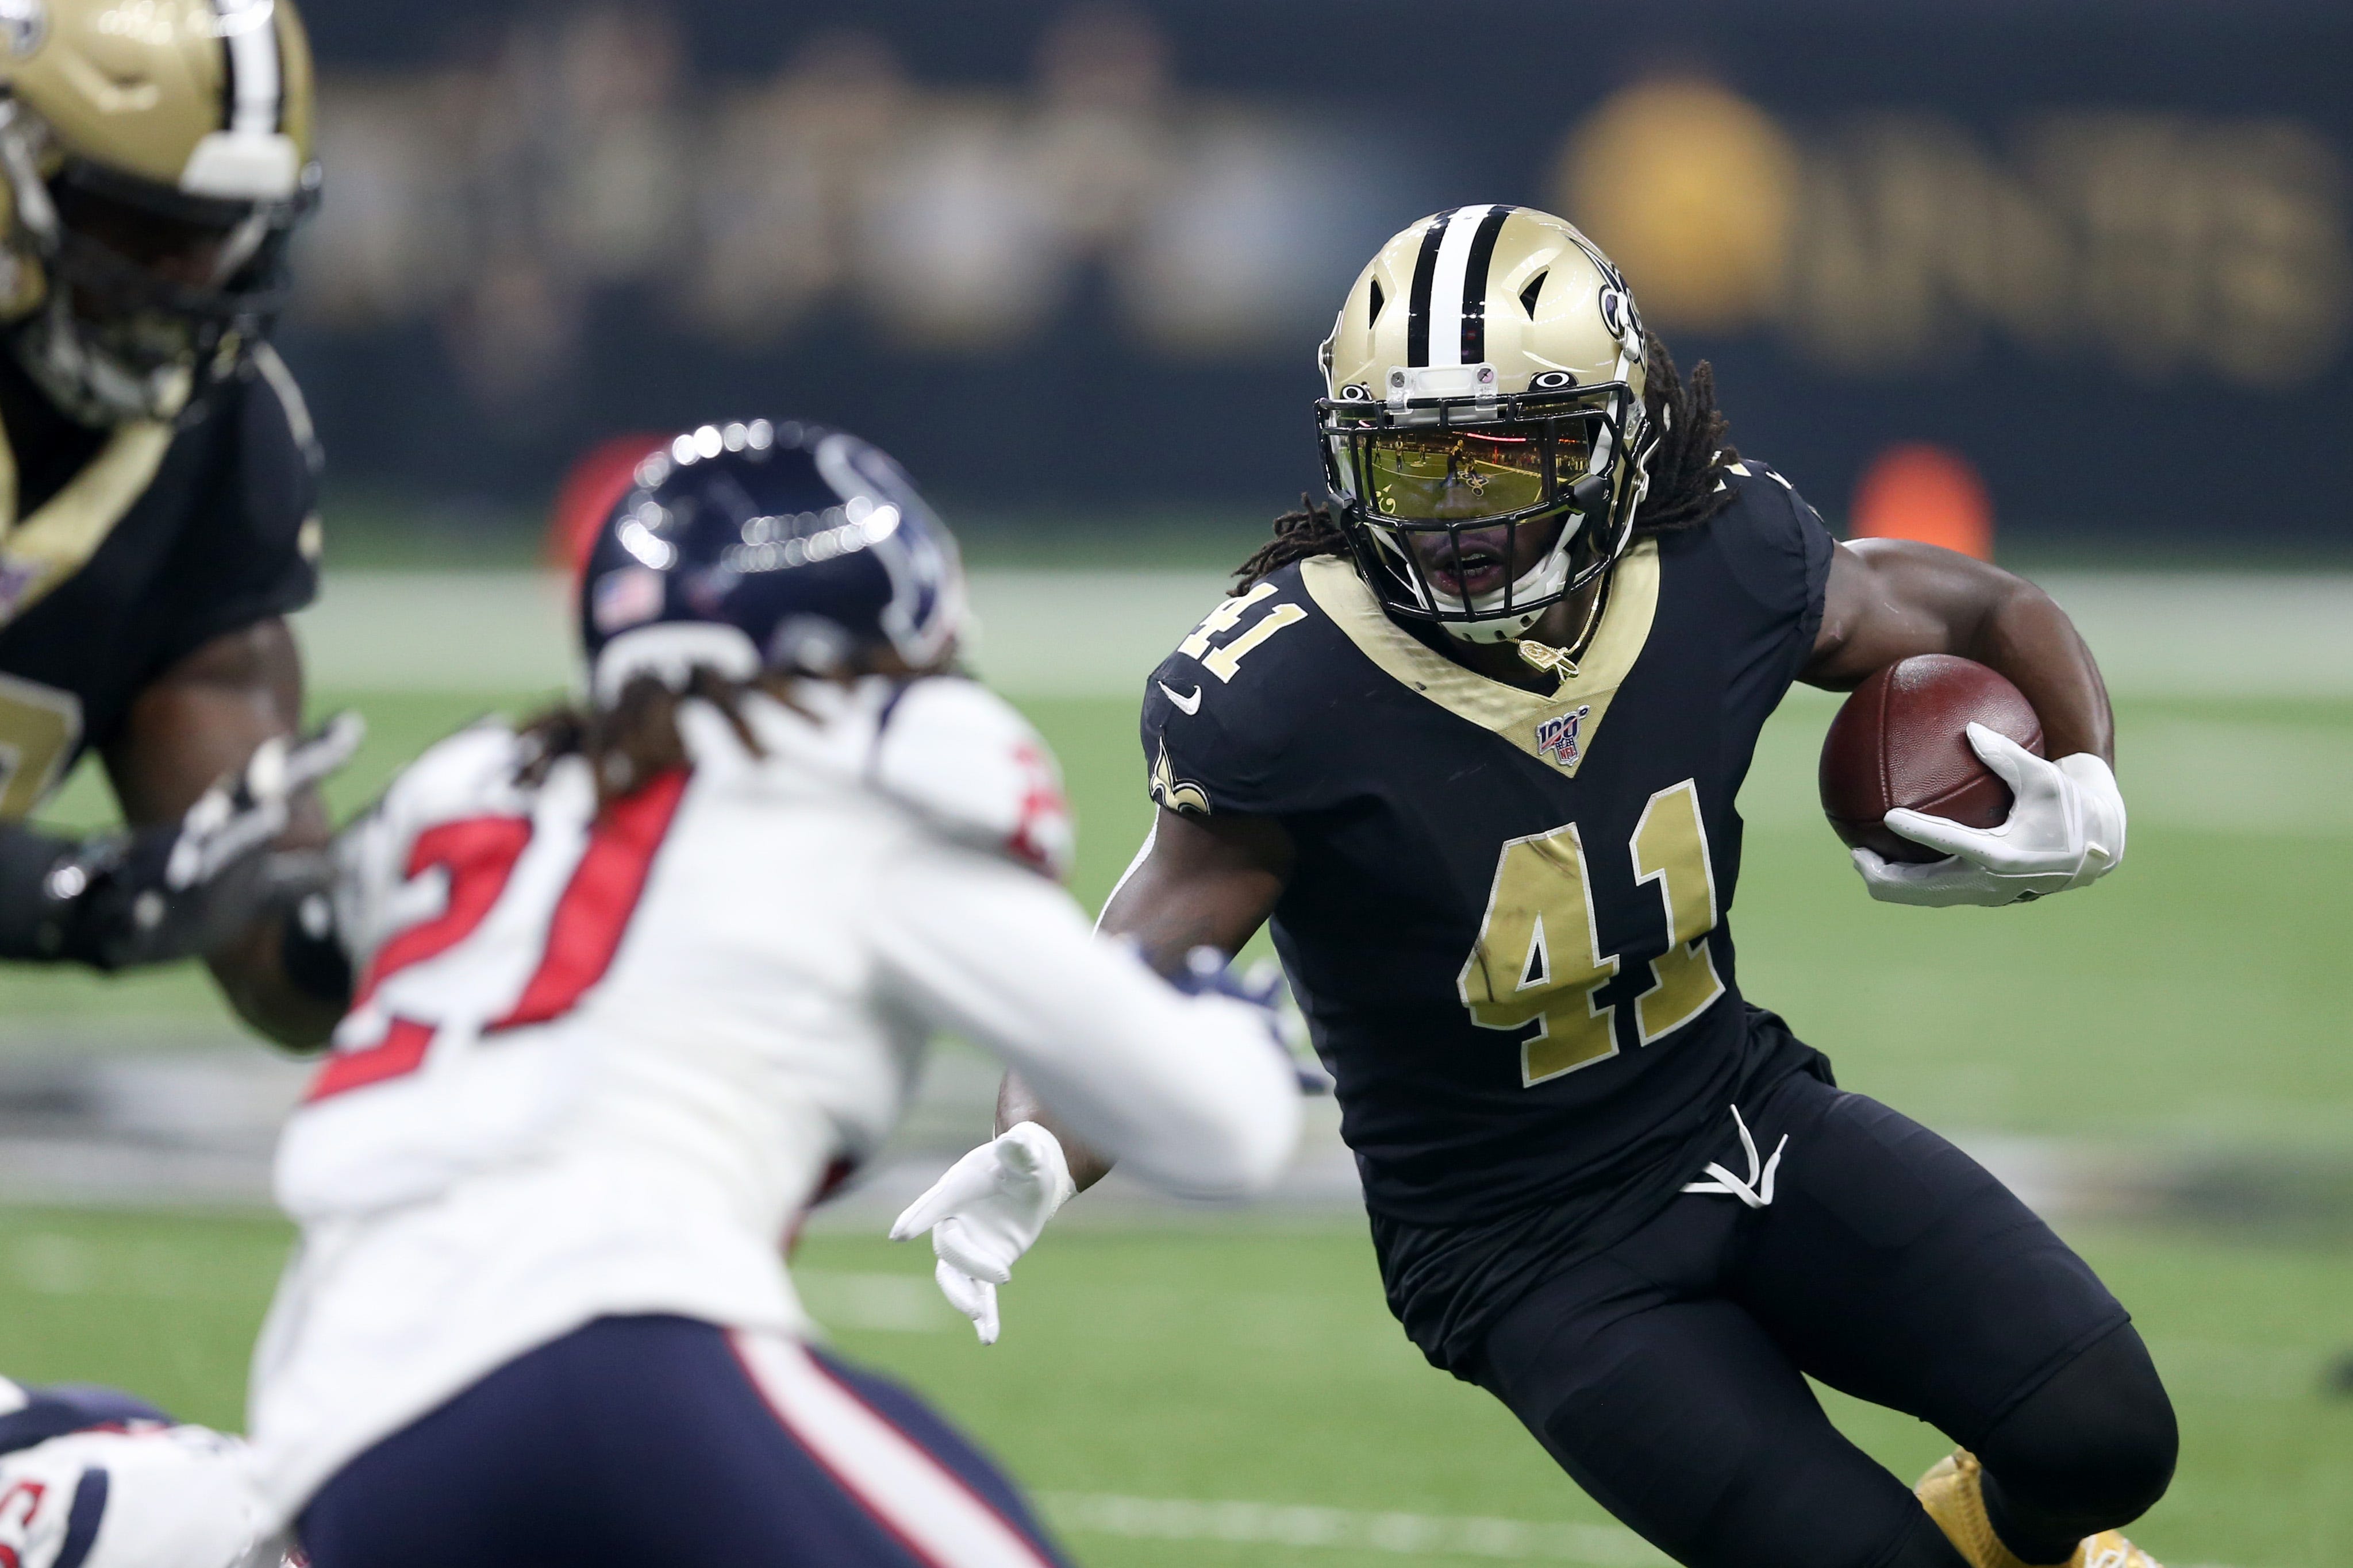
{"x": 583, "y": 930}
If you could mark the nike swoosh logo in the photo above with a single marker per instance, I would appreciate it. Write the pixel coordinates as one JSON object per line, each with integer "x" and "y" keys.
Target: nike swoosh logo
{"x": 1188, "y": 705}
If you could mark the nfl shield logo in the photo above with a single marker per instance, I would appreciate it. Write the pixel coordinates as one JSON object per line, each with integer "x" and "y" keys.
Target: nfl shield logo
{"x": 1558, "y": 737}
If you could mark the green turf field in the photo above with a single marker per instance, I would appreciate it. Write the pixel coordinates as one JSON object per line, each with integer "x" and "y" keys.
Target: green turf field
{"x": 1258, "y": 1366}
{"x": 2185, "y": 1011}
{"x": 2192, "y": 1001}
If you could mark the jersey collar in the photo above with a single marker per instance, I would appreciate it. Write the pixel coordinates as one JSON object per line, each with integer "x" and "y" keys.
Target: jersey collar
{"x": 1558, "y": 729}
{"x": 59, "y": 539}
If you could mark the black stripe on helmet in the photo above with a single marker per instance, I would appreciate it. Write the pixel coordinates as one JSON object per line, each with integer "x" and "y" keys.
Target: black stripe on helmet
{"x": 1424, "y": 272}
{"x": 1474, "y": 284}
{"x": 228, "y": 68}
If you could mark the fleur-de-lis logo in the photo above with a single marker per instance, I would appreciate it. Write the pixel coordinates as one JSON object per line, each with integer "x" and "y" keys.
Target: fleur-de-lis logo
{"x": 1176, "y": 793}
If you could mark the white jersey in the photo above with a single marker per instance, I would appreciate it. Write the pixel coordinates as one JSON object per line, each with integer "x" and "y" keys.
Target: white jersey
{"x": 601, "y": 1062}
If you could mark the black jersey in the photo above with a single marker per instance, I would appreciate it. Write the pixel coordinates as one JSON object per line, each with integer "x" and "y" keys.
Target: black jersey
{"x": 122, "y": 551}
{"x": 1507, "y": 923}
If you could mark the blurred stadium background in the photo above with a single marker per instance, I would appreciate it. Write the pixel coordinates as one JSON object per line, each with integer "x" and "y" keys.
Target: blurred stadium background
{"x": 2077, "y": 280}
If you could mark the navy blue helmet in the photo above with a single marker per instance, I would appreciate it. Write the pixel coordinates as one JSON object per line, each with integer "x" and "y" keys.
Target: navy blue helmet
{"x": 809, "y": 541}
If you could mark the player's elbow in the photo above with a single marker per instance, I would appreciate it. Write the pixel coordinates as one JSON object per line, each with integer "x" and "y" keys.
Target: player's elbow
{"x": 1230, "y": 1147}
{"x": 1254, "y": 1152}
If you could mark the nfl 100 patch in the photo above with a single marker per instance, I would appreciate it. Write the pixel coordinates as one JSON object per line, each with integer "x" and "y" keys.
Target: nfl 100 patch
{"x": 1559, "y": 736}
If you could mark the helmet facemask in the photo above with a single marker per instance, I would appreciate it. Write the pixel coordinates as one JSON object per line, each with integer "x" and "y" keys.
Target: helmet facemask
{"x": 146, "y": 294}
{"x": 1479, "y": 514}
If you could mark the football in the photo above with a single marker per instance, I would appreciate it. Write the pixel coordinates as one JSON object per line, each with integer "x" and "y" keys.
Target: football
{"x": 1902, "y": 740}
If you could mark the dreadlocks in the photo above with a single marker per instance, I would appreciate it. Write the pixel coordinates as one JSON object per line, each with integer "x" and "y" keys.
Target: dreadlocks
{"x": 1310, "y": 531}
{"x": 636, "y": 738}
{"x": 1686, "y": 467}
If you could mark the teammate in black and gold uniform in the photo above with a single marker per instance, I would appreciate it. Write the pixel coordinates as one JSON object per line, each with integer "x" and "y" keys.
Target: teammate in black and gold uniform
{"x": 157, "y": 491}
{"x": 1472, "y": 738}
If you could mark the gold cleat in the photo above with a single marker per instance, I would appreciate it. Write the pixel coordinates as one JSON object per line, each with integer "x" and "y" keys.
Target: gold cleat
{"x": 1953, "y": 1493}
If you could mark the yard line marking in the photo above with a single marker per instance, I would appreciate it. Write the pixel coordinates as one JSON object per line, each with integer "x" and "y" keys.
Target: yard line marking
{"x": 1277, "y": 1524}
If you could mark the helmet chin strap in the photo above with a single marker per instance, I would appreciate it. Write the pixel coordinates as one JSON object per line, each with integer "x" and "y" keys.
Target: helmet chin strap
{"x": 1487, "y": 632}
{"x": 1562, "y": 661}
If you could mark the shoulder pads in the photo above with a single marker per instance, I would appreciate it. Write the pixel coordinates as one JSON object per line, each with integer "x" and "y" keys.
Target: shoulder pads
{"x": 959, "y": 756}
{"x": 471, "y": 773}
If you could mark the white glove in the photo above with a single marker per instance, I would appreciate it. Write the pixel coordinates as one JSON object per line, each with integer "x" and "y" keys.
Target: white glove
{"x": 986, "y": 1213}
{"x": 2066, "y": 830}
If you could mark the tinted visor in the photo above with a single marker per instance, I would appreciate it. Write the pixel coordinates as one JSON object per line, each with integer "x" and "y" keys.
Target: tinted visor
{"x": 1440, "y": 473}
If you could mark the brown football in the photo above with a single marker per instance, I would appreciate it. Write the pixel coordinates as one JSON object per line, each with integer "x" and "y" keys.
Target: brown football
{"x": 1902, "y": 740}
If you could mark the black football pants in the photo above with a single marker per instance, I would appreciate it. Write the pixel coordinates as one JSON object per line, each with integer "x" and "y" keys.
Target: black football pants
{"x": 1664, "y": 1375}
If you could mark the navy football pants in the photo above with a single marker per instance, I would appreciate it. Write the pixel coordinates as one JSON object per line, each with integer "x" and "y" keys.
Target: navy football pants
{"x": 1668, "y": 1373}
{"x": 661, "y": 1440}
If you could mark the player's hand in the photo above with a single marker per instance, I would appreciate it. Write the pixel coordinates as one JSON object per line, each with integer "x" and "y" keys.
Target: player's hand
{"x": 182, "y": 889}
{"x": 2066, "y": 830}
{"x": 986, "y": 1213}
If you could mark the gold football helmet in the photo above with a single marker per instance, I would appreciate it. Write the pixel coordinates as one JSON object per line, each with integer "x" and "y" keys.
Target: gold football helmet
{"x": 154, "y": 161}
{"x": 1484, "y": 390}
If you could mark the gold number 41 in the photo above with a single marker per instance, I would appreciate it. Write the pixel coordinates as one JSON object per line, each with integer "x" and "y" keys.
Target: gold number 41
{"x": 38, "y": 727}
{"x": 1223, "y": 662}
{"x": 1538, "y": 959}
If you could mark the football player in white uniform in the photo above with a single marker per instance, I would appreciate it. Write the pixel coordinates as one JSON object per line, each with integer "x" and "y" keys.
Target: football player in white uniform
{"x": 90, "y": 1477}
{"x": 639, "y": 982}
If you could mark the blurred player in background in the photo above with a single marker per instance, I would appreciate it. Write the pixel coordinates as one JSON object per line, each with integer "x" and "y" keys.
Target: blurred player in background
{"x": 93, "y": 1478}
{"x": 643, "y": 981}
{"x": 158, "y": 482}
{"x": 1472, "y": 738}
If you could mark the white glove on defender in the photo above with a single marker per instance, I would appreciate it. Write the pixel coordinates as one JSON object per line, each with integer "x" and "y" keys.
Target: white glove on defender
{"x": 986, "y": 1213}
{"x": 2066, "y": 830}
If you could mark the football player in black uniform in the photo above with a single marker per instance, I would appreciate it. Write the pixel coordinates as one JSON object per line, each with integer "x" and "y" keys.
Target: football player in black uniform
{"x": 157, "y": 493}
{"x": 1471, "y": 738}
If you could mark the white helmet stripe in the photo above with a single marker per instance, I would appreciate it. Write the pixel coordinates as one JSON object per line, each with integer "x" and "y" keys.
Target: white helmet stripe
{"x": 1449, "y": 277}
{"x": 1448, "y": 322}
{"x": 253, "y": 84}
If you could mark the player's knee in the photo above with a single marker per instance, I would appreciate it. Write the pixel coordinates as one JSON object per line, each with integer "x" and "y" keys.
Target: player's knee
{"x": 2096, "y": 1443}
